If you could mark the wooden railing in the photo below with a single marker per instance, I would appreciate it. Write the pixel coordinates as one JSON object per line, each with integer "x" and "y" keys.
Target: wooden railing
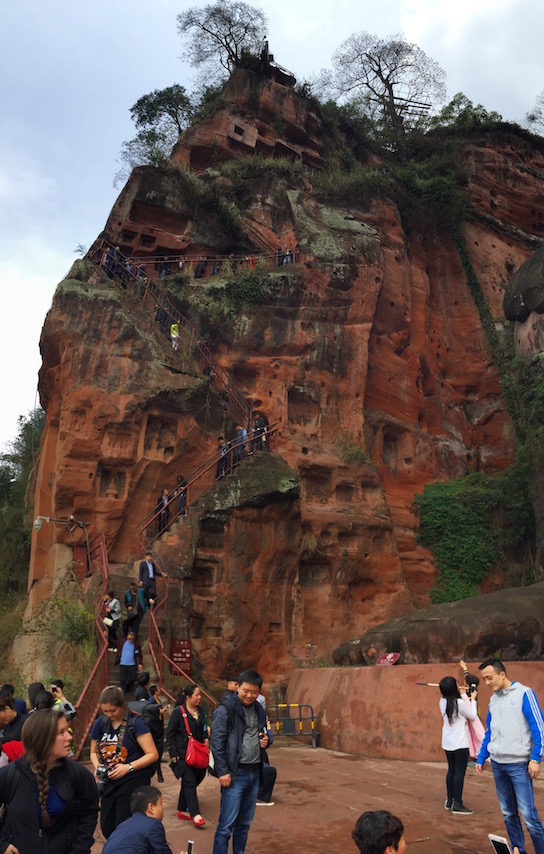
{"x": 88, "y": 703}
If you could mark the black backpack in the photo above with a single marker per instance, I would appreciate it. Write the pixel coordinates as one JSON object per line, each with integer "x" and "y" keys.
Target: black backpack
{"x": 151, "y": 714}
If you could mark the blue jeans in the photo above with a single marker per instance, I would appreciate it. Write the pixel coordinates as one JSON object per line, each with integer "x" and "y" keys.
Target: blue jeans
{"x": 237, "y": 810}
{"x": 515, "y": 792}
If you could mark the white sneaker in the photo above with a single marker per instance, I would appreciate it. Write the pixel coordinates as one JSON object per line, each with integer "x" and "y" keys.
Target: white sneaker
{"x": 265, "y": 803}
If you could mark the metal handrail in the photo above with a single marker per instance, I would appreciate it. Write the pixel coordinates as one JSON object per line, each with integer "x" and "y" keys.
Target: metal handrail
{"x": 218, "y": 376}
{"x": 236, "y": 403}
{"x": 87, "y": 704}
{"x": 198, "y": 482}
{"x": 162, "y": 662}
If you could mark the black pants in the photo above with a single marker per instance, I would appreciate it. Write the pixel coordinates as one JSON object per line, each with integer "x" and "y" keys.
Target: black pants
{"x": 112, "y": 633}
{"x": 455, "y": 778}
{"x": 188, "y": 801}
{"x": 115, "y": 802}
{"x": 267, "y": 785}
{"x": 132, "y": 624}
{"x": 127, "y": 677}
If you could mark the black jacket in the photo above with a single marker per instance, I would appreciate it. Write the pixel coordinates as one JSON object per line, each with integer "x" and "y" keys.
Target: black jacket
{"x": 176, "y": 733}
{"x": 226, "y": 742}
{"x": 71, "y": 832}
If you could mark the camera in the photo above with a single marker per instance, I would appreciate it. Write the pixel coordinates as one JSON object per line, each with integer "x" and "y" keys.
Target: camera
{"x": 102, "y": 774}
{"x": 472, "y": 688}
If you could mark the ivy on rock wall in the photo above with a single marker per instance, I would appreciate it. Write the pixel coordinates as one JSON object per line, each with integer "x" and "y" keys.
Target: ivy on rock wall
{"x": 472, "y": 524}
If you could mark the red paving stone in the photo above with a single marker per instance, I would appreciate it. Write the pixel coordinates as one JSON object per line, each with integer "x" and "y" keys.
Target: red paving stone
{"x": 319, "y": 795}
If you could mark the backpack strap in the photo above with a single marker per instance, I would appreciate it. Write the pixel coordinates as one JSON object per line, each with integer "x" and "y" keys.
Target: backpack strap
{"x": 231, "y": 714}
{"x": 184, "y": 715}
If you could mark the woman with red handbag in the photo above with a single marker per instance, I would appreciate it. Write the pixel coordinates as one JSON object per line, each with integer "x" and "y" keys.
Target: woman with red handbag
{"x": 187, "y": 737}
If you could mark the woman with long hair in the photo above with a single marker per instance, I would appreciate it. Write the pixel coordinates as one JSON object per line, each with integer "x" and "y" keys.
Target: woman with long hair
{"x": 122, "y": 753}
{"x": 455, "y": 716}
{"x": 187, "y": 711}
{"x": 51, "y": 801}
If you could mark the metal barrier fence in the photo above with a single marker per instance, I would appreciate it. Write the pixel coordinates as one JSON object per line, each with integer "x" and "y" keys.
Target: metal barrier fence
{"x": 294, "y": 719}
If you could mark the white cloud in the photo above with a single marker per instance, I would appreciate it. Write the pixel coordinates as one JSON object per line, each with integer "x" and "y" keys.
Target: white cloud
{"x": 22, "y": 183}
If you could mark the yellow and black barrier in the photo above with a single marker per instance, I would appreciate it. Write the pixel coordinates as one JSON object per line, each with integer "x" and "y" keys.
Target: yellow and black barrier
{"x": 294, "y": 719}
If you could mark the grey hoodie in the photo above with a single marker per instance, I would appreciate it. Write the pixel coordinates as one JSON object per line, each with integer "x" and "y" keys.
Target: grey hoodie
{"x": 514, "y": 726}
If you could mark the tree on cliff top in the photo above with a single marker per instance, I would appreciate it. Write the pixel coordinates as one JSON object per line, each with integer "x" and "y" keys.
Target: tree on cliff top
{"x": 535, "y": 118}
{"x": 160, "y": 117}
{"x": 219, "y": 34}
{"x": 394, "y": 81}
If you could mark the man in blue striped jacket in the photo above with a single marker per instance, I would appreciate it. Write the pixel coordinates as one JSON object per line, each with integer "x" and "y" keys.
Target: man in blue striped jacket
{"x": 514, "y": 741}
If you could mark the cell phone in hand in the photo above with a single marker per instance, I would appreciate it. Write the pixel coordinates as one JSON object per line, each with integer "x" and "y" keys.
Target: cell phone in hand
{"x": 500, "y": 844}
{"x": 190, "y": 846}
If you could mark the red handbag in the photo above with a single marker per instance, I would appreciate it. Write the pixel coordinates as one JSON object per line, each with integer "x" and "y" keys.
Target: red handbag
{"x": 197, "y": 754}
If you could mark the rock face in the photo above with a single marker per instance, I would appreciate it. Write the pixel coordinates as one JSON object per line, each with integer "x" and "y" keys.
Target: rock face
{"x": 472, "y": 630}
{"x": 368, "y": 353}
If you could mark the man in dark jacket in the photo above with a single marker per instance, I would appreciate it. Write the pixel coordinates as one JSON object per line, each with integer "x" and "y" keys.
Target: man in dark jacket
{"x": 239, "y": 733}
{"x": 143, "y": 832}
{"x": 135, "y": 612}
{"x": 148, "y": 572}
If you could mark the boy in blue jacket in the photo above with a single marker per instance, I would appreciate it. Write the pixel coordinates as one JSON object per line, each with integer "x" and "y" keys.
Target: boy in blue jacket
{"x": 143, "y": 832}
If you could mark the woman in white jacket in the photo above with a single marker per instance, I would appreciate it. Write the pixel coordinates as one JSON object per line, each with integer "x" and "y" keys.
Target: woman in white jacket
{"x": 456, "y": 713}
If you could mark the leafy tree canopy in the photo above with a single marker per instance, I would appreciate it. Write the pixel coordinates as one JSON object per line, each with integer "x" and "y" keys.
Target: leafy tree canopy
{"x": 535, "y": 118}
{"x": 160, "y": 117}
{"x": 17, "y": 466}
{"x": 461, "y": 114}
{"x": 217, "y": 35}
{"x": 393, "y": 80}
{"x": 170, "y": 108}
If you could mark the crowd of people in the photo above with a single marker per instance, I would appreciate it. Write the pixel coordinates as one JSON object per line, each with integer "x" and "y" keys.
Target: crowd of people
{"x": 51, "y": 800}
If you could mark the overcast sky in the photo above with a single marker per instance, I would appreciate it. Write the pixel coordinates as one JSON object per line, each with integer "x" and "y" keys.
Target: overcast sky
{"x": 71, "y": 69}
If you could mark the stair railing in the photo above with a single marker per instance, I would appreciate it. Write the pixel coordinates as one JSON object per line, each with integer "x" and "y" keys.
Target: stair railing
{"x": 171, "y": 676}
{"x": 87, "y": 705}
{"x": 201, "y": 479}
{"x": 219, "y": 378}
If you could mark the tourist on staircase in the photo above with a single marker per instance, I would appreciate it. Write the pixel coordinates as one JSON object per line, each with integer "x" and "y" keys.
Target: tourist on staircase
{"x": 112, "y": 619}
{"x": 130, "y": 659}
{"x": 174, "y": 335}
{"x": 135, "y": 612}
{"x": 187, "y": 719}
{"x": 162, "y": 511}
{"x": 148, "y": 573}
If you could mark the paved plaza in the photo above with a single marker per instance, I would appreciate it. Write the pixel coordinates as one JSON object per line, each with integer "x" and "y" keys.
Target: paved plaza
{"x": 320, "y": 793}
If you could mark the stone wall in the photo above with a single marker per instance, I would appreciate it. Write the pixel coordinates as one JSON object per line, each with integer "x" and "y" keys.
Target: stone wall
{"x": 380, "y": 711}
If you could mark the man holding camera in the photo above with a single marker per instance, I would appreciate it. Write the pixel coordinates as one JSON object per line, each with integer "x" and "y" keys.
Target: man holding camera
{"x": 239, "y": 733}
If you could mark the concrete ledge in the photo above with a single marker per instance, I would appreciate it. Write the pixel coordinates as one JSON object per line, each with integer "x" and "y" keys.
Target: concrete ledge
{"x": 380, "y": 711}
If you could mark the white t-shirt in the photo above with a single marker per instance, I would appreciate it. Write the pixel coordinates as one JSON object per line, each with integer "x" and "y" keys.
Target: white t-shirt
{"x": 455, "y": 735}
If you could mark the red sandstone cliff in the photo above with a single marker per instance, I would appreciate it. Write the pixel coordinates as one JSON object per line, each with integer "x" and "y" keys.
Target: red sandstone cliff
{"x": 370, "y": 341}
